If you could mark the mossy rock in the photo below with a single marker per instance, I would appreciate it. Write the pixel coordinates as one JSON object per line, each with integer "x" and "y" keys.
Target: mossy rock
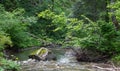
{"x": 40, "y": 54}
{"x": 43, "y": 54}
{"x": 40, "y": 51}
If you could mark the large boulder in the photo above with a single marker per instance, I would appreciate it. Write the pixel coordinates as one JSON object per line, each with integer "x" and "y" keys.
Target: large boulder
{"x": 51, "y": 56}
{"x": 89, "y": 55}
{"x": 42, "y": 54}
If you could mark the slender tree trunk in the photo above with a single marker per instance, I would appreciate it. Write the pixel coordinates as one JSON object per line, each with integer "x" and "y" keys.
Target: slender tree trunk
{"x": 107, "y": 11}
{"x": 114, "y": 20}
{"x": 53, "y": 5}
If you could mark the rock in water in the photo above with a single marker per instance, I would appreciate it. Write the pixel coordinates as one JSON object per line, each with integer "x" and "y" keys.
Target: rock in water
{"x": 36, "y": 57}
{"x": 42, "y": 54}
{"x": 51, "y": 56}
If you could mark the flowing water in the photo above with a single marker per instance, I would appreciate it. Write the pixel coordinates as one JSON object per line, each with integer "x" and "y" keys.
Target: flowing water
{"x": 23, "y": 55}
{"x": 66, "y": 61}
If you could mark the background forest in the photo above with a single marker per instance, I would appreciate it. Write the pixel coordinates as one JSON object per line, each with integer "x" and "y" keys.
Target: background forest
{"x": 89, "y": 24}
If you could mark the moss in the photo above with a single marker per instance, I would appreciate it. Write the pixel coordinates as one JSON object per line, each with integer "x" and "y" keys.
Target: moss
{"x": 40, "y": 54}
{"x": 40, "y": 51}
{"x": 116, "y": 60}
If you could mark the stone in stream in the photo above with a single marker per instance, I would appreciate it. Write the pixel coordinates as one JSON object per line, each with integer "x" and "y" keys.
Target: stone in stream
{"x": 43, "y": 54}
{"x": 51, "y": 56}
{"x": 86, "y": 55}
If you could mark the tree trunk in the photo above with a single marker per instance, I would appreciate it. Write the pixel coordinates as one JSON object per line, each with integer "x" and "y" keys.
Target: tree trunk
{"x": 114, "y": 20}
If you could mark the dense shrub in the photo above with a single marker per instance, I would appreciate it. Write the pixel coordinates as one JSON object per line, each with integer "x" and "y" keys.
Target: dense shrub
{"x": 102, "y": 37}
{"x": 115, "y": 7}
{"x": 53, "y": 28}
{"x": 116, "y": 59}
{"x": 4, "y": 40}
{"x": 93, "y": 9}
{"x": 16, "y": 25}
{"x": 59, "y": 26}
{"x": 97, "y": 36}
{"x": 8, "y": 65}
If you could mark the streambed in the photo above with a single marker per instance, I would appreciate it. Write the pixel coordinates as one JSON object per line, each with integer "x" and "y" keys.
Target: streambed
{"x": 65, "y": 62}
{"x": 55, "y": 66}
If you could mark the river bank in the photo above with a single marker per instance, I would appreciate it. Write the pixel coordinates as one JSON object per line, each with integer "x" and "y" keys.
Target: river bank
{"x": 66, "y": 61}
{"x": 66, "y": 64}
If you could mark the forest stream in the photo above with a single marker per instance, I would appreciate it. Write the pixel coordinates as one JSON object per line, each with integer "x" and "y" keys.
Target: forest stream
{"x": 59, "y": 35}
{"x": 66, "y": 61}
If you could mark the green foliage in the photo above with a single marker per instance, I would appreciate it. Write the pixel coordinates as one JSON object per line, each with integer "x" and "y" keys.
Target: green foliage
{"x": 116, "y": 59}
{"x": 10, "y": 5}
{"x": 115, "y": 9}
{"x": 100, "y": 36}
{"x": 16, "y": 25}
{"x": 35, "y": 6}
{"x": 59, "y": 6}
{"x": 65, "y": 29}
{"x": 8, "y": 65}
{"x": 4, "y": 40}
{"x": 1, "y": 69}
{"x": 59, "y": 26}
{"x": 32, "y": 7}
{"x": 55, "y": 24}
{"x": 93, "y": 9}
